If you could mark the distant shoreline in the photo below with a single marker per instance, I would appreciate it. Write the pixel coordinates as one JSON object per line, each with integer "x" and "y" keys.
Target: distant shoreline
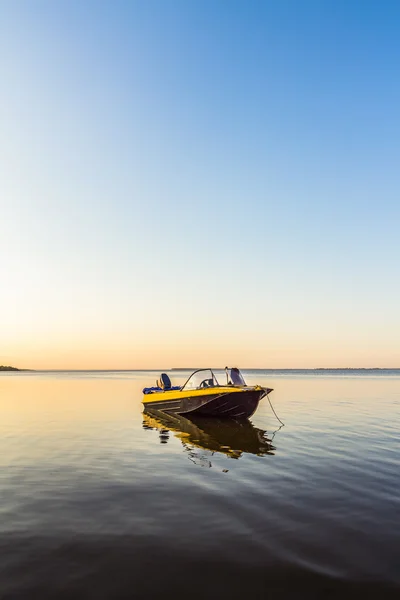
{"x": 289, "y": 369}
{"x": 7, "y": 368}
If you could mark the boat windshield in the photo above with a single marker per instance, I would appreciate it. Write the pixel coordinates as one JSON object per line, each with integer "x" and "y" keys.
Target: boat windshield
{"x": 199, "y": 380}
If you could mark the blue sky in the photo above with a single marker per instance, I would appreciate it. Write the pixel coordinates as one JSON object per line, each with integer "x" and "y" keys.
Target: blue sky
{"x": 199, "y": 182}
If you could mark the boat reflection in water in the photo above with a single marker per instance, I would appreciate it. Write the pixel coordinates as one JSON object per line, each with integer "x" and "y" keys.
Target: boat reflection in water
{"x": 227, "y": 436}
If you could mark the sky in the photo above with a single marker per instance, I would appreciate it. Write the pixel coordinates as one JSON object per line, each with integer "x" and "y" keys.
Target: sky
{"x": 196, "y": 183}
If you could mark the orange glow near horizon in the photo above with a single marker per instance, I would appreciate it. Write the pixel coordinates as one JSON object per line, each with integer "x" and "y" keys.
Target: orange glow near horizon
{"x": 164, "y": 353}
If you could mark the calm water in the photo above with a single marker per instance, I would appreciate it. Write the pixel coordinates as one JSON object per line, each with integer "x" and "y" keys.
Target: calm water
{"x": 99, "y": 501}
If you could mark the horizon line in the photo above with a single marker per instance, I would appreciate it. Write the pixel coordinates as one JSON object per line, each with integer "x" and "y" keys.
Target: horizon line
{"x": 16, "y": 369}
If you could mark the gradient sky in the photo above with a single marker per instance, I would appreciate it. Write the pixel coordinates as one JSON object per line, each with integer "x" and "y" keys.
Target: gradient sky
{"x": 190, "y": 183}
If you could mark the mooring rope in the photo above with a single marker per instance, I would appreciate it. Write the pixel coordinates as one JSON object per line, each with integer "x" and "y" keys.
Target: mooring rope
{"x": 273, "y": 410}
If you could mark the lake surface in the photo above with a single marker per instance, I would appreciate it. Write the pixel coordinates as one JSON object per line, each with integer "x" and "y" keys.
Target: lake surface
{"x": 100, "y": 501}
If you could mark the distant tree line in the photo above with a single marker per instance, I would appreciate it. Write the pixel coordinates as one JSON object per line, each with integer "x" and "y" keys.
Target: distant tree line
{"x": 4, "y": 368}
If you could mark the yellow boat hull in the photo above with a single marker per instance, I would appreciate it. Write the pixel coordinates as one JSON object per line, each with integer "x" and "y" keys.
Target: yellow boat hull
{"x": 221, "y": 401}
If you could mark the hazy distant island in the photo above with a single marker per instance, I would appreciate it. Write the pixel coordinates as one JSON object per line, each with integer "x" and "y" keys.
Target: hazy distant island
{"x": 295, "y": 369}
{"x": 4, "y": 368}
{"x": 354, "y": 369}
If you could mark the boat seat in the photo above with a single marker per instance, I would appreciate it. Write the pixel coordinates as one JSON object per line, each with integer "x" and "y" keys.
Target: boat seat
{"x": 236, "y": 377}
{"x": 165, "y": 382}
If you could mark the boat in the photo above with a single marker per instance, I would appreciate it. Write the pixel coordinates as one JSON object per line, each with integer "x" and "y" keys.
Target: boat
{"x": 202, "y": 394}
{"x": 232, "y": 437}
